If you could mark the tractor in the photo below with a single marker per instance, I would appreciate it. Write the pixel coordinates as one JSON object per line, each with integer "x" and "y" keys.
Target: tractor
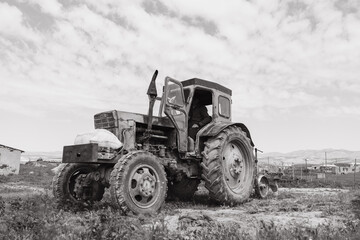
{"x": 157, "y": 157}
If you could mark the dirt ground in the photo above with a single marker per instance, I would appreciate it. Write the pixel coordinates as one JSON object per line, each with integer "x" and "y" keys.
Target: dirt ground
{"x": 289, "y": 208}
{"x": 20, "y": 189}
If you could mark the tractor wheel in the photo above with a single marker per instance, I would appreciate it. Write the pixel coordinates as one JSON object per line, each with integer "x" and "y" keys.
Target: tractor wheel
{"x": 68, "y": 186}
{"x": 183, "y": 189}
{"x": 138, "y": 183}
{"x": 262, "y": 187}
{"x": 275, "y": 186}
{"x": 228, "y": 166}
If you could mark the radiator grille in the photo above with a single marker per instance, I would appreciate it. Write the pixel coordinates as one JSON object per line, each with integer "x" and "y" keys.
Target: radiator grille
{"x": 105, "y": 121}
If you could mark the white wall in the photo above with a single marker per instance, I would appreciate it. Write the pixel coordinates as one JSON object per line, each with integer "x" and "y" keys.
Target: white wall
{"x": 10, "y": 158}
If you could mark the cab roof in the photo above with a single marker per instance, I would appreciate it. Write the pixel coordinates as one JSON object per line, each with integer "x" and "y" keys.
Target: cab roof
{"x": 205, "y": 83}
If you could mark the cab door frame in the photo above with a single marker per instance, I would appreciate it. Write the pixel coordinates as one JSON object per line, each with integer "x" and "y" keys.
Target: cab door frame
{"x": 175, "y": 109}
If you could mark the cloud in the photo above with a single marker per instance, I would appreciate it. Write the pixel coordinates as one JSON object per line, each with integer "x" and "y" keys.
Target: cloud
{"x": 52, "y": 7}
{"x": 273, "y": 54}
{"x": 12, "y": 25}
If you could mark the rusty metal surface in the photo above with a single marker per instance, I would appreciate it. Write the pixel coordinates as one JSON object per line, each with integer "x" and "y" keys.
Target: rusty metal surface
{"x": 207, "y": 84}
{"x": 181, "y": 128}
{"x": 127, "y": 134}
{"x": 177, "y": 113}
{"x": 108, "y": 120}
{"x": 82, "y": 153}
{"x": 105, "y": 120}
{"x": 212, "y": 129}
{"x": 142, "y": 118}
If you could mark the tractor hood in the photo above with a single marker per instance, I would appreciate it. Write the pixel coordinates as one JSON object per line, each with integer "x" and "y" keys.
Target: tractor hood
{"x": 112, "y": 118}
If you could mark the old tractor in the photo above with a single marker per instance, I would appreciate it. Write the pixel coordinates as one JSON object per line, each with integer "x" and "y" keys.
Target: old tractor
{"x": 158, "y": 158}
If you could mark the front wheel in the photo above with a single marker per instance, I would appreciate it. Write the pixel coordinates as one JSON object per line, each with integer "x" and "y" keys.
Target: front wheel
{"x": 138, "y": 183}
{"x": 228, "y": 166}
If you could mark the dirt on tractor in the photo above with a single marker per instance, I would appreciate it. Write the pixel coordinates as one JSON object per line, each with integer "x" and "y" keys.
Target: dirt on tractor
{"x": 145, "y": 158}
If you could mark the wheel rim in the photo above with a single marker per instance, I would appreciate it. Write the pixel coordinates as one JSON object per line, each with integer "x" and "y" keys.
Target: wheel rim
{"x": 144, "y": 186}
{"x": 73, "y": 182}
{"x": 77, "y": 190}
{"x": 234, "y": 165}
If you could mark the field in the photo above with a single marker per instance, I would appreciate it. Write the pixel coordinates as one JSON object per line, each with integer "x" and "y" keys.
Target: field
{"x": 331, "y": 180}
{"x": 27, "y": 211}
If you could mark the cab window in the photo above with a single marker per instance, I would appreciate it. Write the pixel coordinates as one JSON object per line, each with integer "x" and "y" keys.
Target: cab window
{"x": 175, "y": 96}
{"x": 224, "y": 106}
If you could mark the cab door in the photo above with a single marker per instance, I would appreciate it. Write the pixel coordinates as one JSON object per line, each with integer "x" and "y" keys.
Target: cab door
{"x": 175, "y": 109}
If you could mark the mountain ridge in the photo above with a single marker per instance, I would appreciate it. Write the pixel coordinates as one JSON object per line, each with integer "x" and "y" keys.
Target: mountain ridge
{"x": 310, "y": 156}
{"x": 313, "y": 156}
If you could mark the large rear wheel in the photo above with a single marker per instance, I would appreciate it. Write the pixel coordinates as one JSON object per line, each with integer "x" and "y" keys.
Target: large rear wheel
{"x": 228, "y": 166}
{"x": 138, "y": 183}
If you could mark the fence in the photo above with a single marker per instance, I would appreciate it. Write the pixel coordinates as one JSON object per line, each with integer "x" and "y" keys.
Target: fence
{"x": 343, "y": 180}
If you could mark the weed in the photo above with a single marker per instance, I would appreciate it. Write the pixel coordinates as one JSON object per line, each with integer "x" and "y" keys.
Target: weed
{"x": 2, "y": 166}
{"x": 38, "y": 217}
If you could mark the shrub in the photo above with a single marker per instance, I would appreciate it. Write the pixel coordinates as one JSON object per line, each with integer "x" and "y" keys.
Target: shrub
{"x": 2, "y": 166}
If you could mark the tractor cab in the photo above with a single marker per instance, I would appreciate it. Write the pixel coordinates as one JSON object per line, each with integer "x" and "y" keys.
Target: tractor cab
{"x": 179, "y": 97}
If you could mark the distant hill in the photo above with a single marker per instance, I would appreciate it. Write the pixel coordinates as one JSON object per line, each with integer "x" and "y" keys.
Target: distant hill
{"x": 274, "y": 158}
{"x": 45, "y": 156}
{"x": 312, "y": 156}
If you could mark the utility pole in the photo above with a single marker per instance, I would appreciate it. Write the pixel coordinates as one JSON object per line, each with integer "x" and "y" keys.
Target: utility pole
{"x": 325, "y": 160}
{"x": 354, "y": 172}
{"x": 293, "y": 172}
{"x": 306, "y": 167}
{"x": 325, "y": 165}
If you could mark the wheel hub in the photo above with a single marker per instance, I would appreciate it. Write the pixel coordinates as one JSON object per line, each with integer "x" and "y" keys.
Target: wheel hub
{"x": 143, "y": 186}
{"x": 233, "y": 164}
{"x": 262, "y": 187}
{"x": 236, "y": 166}
{"x": 147, "y": 186}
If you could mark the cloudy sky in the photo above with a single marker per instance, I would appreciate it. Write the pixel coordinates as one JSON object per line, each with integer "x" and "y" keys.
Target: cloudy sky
{"x": 293, "y": 66}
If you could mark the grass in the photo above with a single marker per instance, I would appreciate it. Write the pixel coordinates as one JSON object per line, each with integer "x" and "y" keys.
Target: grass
{"x": 37, "y": 174}
{"x": 37, "y": 217}
{"x": 331, "y": 180}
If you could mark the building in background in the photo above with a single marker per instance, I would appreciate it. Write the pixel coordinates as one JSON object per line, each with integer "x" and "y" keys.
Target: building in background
{"x": 344, "y": 168}
{"x": 9, "y": 160}
{"x": 355, "y": 168}
{"x": 329, "y": 168}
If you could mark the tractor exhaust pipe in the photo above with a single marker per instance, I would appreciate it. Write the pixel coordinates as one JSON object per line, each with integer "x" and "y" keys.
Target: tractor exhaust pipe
{"x": 152, "y": 94}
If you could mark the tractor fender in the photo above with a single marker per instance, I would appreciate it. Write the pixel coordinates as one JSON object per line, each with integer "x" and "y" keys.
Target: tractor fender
{"x": 214, "y": 128}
